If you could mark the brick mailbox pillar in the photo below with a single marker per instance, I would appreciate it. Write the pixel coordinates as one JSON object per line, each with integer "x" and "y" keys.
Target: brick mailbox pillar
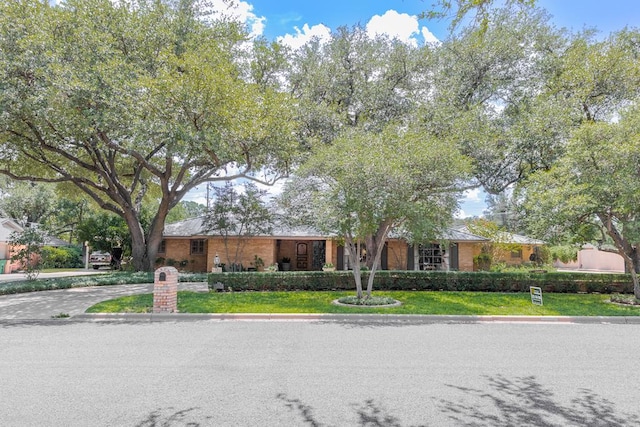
{"x": 165, "y": 290}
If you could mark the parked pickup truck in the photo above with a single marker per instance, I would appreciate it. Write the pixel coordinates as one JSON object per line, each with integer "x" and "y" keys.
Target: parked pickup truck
{"x": 100, "y": 259}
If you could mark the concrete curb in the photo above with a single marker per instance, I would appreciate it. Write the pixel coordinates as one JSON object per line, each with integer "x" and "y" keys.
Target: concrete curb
{"x": 348, "y": 318}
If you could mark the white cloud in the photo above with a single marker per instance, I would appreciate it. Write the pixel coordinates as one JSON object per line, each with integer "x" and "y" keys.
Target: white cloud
{"x": 300, "y": 38}
{"x": 472, "y": 195}
{"x": 460, "y": 214}
{"x": 241, "y": 11}
{"x": 429, "y": 37}
{"x": 401, "y": 26}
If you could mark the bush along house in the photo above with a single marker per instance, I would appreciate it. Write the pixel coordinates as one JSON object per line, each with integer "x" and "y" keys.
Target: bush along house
{"x": 188, "y": 246}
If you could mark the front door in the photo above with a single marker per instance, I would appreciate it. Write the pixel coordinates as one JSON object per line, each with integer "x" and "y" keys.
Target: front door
{"x": 302, "y": 256}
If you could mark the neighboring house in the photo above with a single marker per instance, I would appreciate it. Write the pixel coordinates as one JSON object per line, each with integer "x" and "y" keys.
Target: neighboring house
{"x": 593, "y": 259}
{"x": 7, "y": 227}
{"x": 189, "y": 246}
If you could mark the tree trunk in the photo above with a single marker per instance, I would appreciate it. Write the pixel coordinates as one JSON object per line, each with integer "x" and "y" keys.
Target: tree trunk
{"x": 626, "y": 250}
{"x": 144, "y": 249}
{"x": 354, "y": 255}
{"x": 375, "y": 246}
{"x": 635, "y": 268}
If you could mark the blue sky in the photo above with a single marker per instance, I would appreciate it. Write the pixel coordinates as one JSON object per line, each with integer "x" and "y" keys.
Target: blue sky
{"x": 290, "y": 17}
{"x": 294, "y": 22}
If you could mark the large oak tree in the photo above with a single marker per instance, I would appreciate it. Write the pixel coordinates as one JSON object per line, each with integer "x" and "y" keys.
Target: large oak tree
{"x": 134, "y": 101}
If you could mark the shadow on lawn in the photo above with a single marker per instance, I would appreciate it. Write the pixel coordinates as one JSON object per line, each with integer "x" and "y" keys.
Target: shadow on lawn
{"x": 525, "y": 402}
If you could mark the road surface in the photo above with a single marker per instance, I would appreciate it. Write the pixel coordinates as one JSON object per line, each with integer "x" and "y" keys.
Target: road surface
{"x": 309, "y": 373}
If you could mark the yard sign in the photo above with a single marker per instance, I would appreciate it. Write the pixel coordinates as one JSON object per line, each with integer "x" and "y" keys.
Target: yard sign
{"x": 536, "y": 295}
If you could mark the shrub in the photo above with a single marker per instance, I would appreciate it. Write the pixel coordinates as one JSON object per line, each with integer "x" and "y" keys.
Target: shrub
{"x": 565, "y": 254}
{"x": 62, "y": 257}
{"x": 426, "y": 281}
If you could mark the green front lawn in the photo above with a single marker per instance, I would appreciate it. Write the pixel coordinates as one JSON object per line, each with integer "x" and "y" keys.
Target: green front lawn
{"x": 415, "y": 302}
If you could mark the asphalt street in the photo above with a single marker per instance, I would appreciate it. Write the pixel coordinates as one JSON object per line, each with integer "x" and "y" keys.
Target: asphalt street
{"x": 311, "y": 373}
{"x": 185, "y": 370}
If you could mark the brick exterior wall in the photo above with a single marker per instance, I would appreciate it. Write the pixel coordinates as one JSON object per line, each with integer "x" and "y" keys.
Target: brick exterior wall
{"x": 272, "y": 251}
{"x": 397, "y": 254}
{"x": 165, "y": 290}
{"x": 466, "y": 252}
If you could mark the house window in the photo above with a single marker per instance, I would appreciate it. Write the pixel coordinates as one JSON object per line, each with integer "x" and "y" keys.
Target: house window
{"x": 430, "y": 257}
{"x": 197, "y": 247}
{"x": 163, "y": 247}
{"x": 516, "y": 254}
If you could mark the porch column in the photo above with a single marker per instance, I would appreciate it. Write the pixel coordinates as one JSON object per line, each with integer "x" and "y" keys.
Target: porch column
{"x": 328, "y": 252}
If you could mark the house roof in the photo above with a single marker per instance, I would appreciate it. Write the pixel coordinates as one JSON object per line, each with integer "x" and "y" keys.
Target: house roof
{"x": 462, "y": 236}
{"x": 193, "y": 227}
{"x": 511, "y": 238}
{"x": 8, "y": 226}
{"x": 54, "y": 241}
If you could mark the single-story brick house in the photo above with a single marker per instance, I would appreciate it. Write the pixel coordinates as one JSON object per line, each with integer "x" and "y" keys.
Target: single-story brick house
{"x": 189, "y": 246}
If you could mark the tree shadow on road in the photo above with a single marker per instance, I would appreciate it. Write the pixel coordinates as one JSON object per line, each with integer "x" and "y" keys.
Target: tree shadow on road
{"x": 369, "y": 413}
{"x": 170, "y": 417}
{"x": 525, "y": 402}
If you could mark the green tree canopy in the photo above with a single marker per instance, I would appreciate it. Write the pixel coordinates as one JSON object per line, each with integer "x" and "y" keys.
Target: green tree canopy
{"x": 134, "y": 100}
{"x": 594, "y": 183}
{"x": 364, "y": 186}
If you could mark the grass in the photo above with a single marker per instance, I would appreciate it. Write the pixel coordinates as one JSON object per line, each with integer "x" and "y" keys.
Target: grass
{"x": 415, "y": 302}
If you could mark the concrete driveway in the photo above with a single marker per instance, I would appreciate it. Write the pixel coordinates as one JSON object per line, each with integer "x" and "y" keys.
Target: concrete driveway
{"x": 14, "y": 277}
{"x": 45, "y": 304}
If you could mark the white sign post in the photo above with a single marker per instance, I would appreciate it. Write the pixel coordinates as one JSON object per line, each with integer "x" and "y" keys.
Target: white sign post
{"x": 536, "y": 295}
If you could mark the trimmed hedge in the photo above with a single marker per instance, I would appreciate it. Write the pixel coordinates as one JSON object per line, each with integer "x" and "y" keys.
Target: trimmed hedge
{"x": 104, "y": 279}
{"x": 425, "y": 281}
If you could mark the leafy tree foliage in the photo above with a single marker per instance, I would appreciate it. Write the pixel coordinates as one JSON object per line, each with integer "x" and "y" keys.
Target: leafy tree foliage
{"x": 594, "y": 184}
{"x": 55, "y": 210}
{"x": 364, "y": 186}
{"x": 28, "y": 202}
{"x": 185, "y": 210}
{"x": 483, "y": 93}
{"x": 104, "y": 231}
{"x": 460, "y": 9}
{"x": 238, "y": 215}
{"x": 351, "y": 81}
{"x": 26, "y": 248}
{"x": 92, "y": 96}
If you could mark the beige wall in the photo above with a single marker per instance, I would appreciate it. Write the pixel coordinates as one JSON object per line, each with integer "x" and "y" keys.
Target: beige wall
{"x": 590, "y": 258}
